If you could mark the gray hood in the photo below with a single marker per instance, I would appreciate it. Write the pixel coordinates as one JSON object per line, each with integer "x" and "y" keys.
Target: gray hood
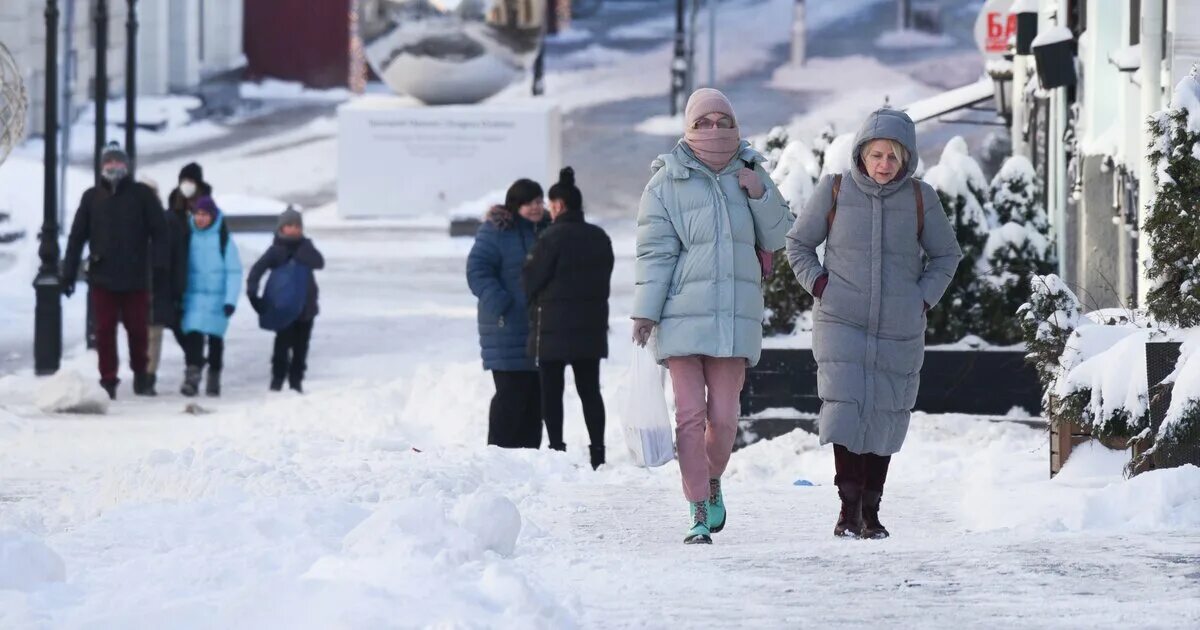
{"x": 889, "y": 124}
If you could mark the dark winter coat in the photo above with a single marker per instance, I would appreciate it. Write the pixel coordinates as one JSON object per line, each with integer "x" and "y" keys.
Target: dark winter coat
{"x": 170, "y": 281}
{"x": 278, "y": 255}
{"x": 869, "y": 323}
{"x": 494, "y": 276}
{"x": 567, "y": 280}
{"x": 125, "y": 234}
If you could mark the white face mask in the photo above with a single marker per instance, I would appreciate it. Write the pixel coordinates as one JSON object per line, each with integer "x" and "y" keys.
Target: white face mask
{"x": 188, "y": 188}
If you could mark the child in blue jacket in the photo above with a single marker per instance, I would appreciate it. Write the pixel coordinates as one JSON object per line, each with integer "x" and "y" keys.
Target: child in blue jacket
{"x": 214, "y": 277}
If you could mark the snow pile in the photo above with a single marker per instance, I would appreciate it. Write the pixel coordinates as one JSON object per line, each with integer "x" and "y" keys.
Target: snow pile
{"x": 795, "y": 174}
{"x": 661, "y": 126}
{"x": 1185, "y": 391}
{"x": 275, "y": 89}
{"x": 839, "y": 156}
{"x": 1088, "y": 495}
{"x": 69, "y": 392}
{"x": 844, "y": 104}
{"x": 1115, "y": 376}
{"x": 26, "y": 563}
{"x": 165, "y": 112}
{"x": 957, "y": 174}
{"x": 907, "y": 39}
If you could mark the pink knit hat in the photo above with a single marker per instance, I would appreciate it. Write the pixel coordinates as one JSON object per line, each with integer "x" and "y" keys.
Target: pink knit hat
{"x": 707, "y": 101}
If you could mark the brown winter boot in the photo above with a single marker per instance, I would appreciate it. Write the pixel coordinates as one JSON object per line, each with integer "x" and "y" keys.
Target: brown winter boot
{"x": 850, "y": 520}
{"x": 872, "y": 528}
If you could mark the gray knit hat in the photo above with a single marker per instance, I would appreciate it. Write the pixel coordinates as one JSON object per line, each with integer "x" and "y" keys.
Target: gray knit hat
{"x": 291, "y": 216}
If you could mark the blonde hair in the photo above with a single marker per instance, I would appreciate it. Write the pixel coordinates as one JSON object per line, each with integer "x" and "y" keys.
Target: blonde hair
{"x": 897, "y": 148}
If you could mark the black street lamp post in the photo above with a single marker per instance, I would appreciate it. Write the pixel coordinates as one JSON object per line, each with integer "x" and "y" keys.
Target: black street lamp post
{"x": 131, "y": 29}
{"x": 679, "y": 65}
{"x": 101, "y": 83}
{"x": 47, "y": 333}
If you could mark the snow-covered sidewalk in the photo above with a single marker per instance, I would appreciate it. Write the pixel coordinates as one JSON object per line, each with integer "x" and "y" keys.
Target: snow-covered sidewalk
{"x": 372, "y": 502}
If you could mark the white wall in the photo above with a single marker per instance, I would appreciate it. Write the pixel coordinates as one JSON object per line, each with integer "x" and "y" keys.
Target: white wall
{"x": 1183, "y": 40}
{"x": 1101, "y": 79}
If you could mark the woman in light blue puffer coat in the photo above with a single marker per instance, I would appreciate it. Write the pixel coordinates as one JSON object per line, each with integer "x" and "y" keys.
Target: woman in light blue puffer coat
{"x": 708, "y": 208}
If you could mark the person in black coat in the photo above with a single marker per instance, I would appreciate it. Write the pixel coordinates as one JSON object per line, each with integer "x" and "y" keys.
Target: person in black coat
{"x": 567, "y": 279}
{"x": 290, "y": 359}
{"x": 121, "y": 222}
{"x": 168, "y": 287}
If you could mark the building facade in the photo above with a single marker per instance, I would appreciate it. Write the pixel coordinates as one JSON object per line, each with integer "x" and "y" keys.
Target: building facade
{"x": 181, "y": 45}
{"x": 1088, "y": 141}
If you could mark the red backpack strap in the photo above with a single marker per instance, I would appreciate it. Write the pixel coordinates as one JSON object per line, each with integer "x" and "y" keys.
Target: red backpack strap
{"x": 920, "y": 208}
{"x": 837, "y": 187}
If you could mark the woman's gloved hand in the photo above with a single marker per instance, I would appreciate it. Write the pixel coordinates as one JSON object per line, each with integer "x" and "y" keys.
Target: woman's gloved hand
{"x": 751, "y": 183}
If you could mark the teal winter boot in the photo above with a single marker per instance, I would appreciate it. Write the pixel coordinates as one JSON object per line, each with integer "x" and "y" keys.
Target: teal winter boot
{"x": 716, "y": 507}
{"x": 699, "y": 533}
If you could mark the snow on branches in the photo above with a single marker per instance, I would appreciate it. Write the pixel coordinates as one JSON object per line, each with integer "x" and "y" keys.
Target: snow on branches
{"x": 1173, "y": 224}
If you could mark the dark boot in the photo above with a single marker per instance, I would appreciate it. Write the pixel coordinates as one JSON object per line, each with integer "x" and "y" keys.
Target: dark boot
{"x": 850, "y": 521}
{"x": 212, "y": 386}
{"x": 110, "y": 387}
{"x": 191, "y": 381}
{"x": 597, "y": 453}
{"x": 872, "y": 528}
{"x": 295, "y": 383}
{"x": 276, "y": 383}
{"x": 562, "y": 448}
{"x": 143, "y": 385}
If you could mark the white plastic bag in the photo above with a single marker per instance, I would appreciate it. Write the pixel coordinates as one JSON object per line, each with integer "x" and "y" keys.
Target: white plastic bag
{"x": 648, "y": 431}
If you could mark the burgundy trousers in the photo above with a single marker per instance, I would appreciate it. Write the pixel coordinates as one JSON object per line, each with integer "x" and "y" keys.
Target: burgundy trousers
{"x": 132, "y": 308}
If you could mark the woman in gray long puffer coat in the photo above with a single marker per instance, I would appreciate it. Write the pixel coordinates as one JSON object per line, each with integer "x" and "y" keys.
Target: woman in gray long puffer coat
{"x": 890, "y": 253}
{"x": 707, "y": 207}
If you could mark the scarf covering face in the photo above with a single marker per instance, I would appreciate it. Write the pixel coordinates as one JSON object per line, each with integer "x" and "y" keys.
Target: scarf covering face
{"x": 715, "y": 147}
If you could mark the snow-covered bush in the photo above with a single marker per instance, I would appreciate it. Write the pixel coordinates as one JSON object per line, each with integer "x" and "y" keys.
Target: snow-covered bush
{"x": 963, "y": 191}
{"x": 772, "y": 146}
{"x": 1173, "y": 225}
{"x": 795, "y": 174}
{"x": 821, "y": 145}
{"x": 1015, "y": 253}
{"x": 1047, "y": 321}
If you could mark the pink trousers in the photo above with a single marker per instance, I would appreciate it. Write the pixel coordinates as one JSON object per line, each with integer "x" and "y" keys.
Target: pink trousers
{"x": 707, "y": 392}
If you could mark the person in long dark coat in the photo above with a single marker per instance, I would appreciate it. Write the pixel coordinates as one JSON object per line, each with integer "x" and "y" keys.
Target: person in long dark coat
{"x": 890, "y": 253}
{"x": 121, "y": 223}
{"x": 169, "y": 285}
{"x": 494, "y": 266}
{"x": 567, "y": 280}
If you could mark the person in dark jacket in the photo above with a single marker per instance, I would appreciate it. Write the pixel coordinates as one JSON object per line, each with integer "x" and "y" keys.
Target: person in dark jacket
{"x": 290, "y": 359}
{"x": 121, "y": 222}
{"x": 567, "y": 280}
{"x": 494, "y": 275}
{"x": 166, "y": 312}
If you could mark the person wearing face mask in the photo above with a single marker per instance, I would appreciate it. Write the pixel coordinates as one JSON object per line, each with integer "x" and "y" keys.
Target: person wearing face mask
{"x": 707, "y": 211}
{"x": 890, "y": 253}
{"x": 504, "y": 240}
{"x": 166, "y": 310}
{"x": 121, "y": 223}
{"x": 191, "y": 187}
{"x": 567, "y": 280}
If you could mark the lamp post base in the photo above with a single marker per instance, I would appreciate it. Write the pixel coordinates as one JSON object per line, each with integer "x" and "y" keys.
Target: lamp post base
{"x": 47, "y": 326}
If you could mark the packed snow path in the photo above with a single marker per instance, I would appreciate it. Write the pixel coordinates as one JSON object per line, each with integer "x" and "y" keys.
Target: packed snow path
{"x": 372, "y": 502}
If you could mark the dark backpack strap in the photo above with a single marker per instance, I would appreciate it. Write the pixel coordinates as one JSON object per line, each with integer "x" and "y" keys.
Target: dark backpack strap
{"x": 916, "y": 183}
{"x": 224, "y": 236}
{"x": 837, "y": 187}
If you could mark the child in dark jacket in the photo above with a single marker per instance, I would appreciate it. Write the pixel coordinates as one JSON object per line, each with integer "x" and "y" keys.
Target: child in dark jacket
{"x": 291, "y": 343}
